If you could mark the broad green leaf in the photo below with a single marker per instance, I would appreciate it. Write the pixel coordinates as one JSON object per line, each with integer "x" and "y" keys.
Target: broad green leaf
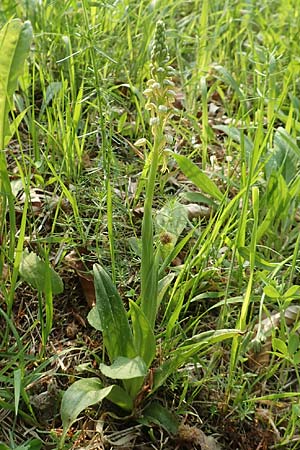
{"x": 172, "y": 218}
{"x": 170, "y": 222}
{"x": 15, "y": 41}
{"x": 117, "y": 335}
{"x": 293, "y": 344}
{"x": 136, "y": 245}
{"x": 125, "y": 368}
{"x": 94, "y": 319}
{"x": 197, "y": 197}
{"x": 271, "y": 291}
{"x": 79, "y": 396}
{"x": 158, "y": 414}
{"x": 279, "y": 345}
{"x": 293, "y": 291}
{"x": 167, "y": 261}
{"x": 296, "y": 358}
{"x": 143, "y": 336}
{"x": 34, "y": 270}
{"x": 197, "y": 176}
{"x": 120, "y": 397}
{"x": 32, "y": 444}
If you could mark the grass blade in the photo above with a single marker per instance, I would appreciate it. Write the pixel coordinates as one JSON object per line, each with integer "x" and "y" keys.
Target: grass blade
{"x": 197, "y": 176}
{"x": 17, "y": 388}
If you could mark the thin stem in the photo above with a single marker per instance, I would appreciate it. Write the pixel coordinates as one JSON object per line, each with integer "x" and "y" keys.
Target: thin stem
{"x": 149, "y": 270}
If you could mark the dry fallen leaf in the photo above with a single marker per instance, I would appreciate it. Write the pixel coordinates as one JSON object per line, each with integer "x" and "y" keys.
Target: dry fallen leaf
{"x": 72, "y": 330}
{"x": 5, "y": 273}
{"x": 86, "y": 279}
{"x": 213, "y": 108}
{"x": 291, "y": 314}
{"x": 194, "y": 210}
{"x": 123, "y": 439}
{"x": 39, "y": 200}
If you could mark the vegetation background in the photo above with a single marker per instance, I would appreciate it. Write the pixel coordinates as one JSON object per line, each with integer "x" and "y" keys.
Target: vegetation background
{"x": 221, "y": 231}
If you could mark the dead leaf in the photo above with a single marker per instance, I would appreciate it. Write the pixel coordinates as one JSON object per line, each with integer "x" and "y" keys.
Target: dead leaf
{"x": 138, "y": 211}
{"x": 86, "y": 161}
{"x": 88, "y": 288}
{"x": 259, "y": 357}
{"x": 39, "y": 199}
{"x": 79, "y": 319}
{"x": 72, "y": 330}
{"x": 213, "y": 109}
{"x": 179, "y": 100}
{"x": 5, "y": 273}
{"x": 194, "y": 211}
{"x": 123, "y": 439}
{"x": 292, "y": 314}
{"x": 85, "y": 277}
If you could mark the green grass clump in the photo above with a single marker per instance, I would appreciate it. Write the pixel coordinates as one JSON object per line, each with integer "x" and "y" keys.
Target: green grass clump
{"x": 175, "y": 168}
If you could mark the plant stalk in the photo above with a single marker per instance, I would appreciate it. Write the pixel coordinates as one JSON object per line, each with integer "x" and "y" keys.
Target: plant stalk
{"x": 149, "y": 269}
